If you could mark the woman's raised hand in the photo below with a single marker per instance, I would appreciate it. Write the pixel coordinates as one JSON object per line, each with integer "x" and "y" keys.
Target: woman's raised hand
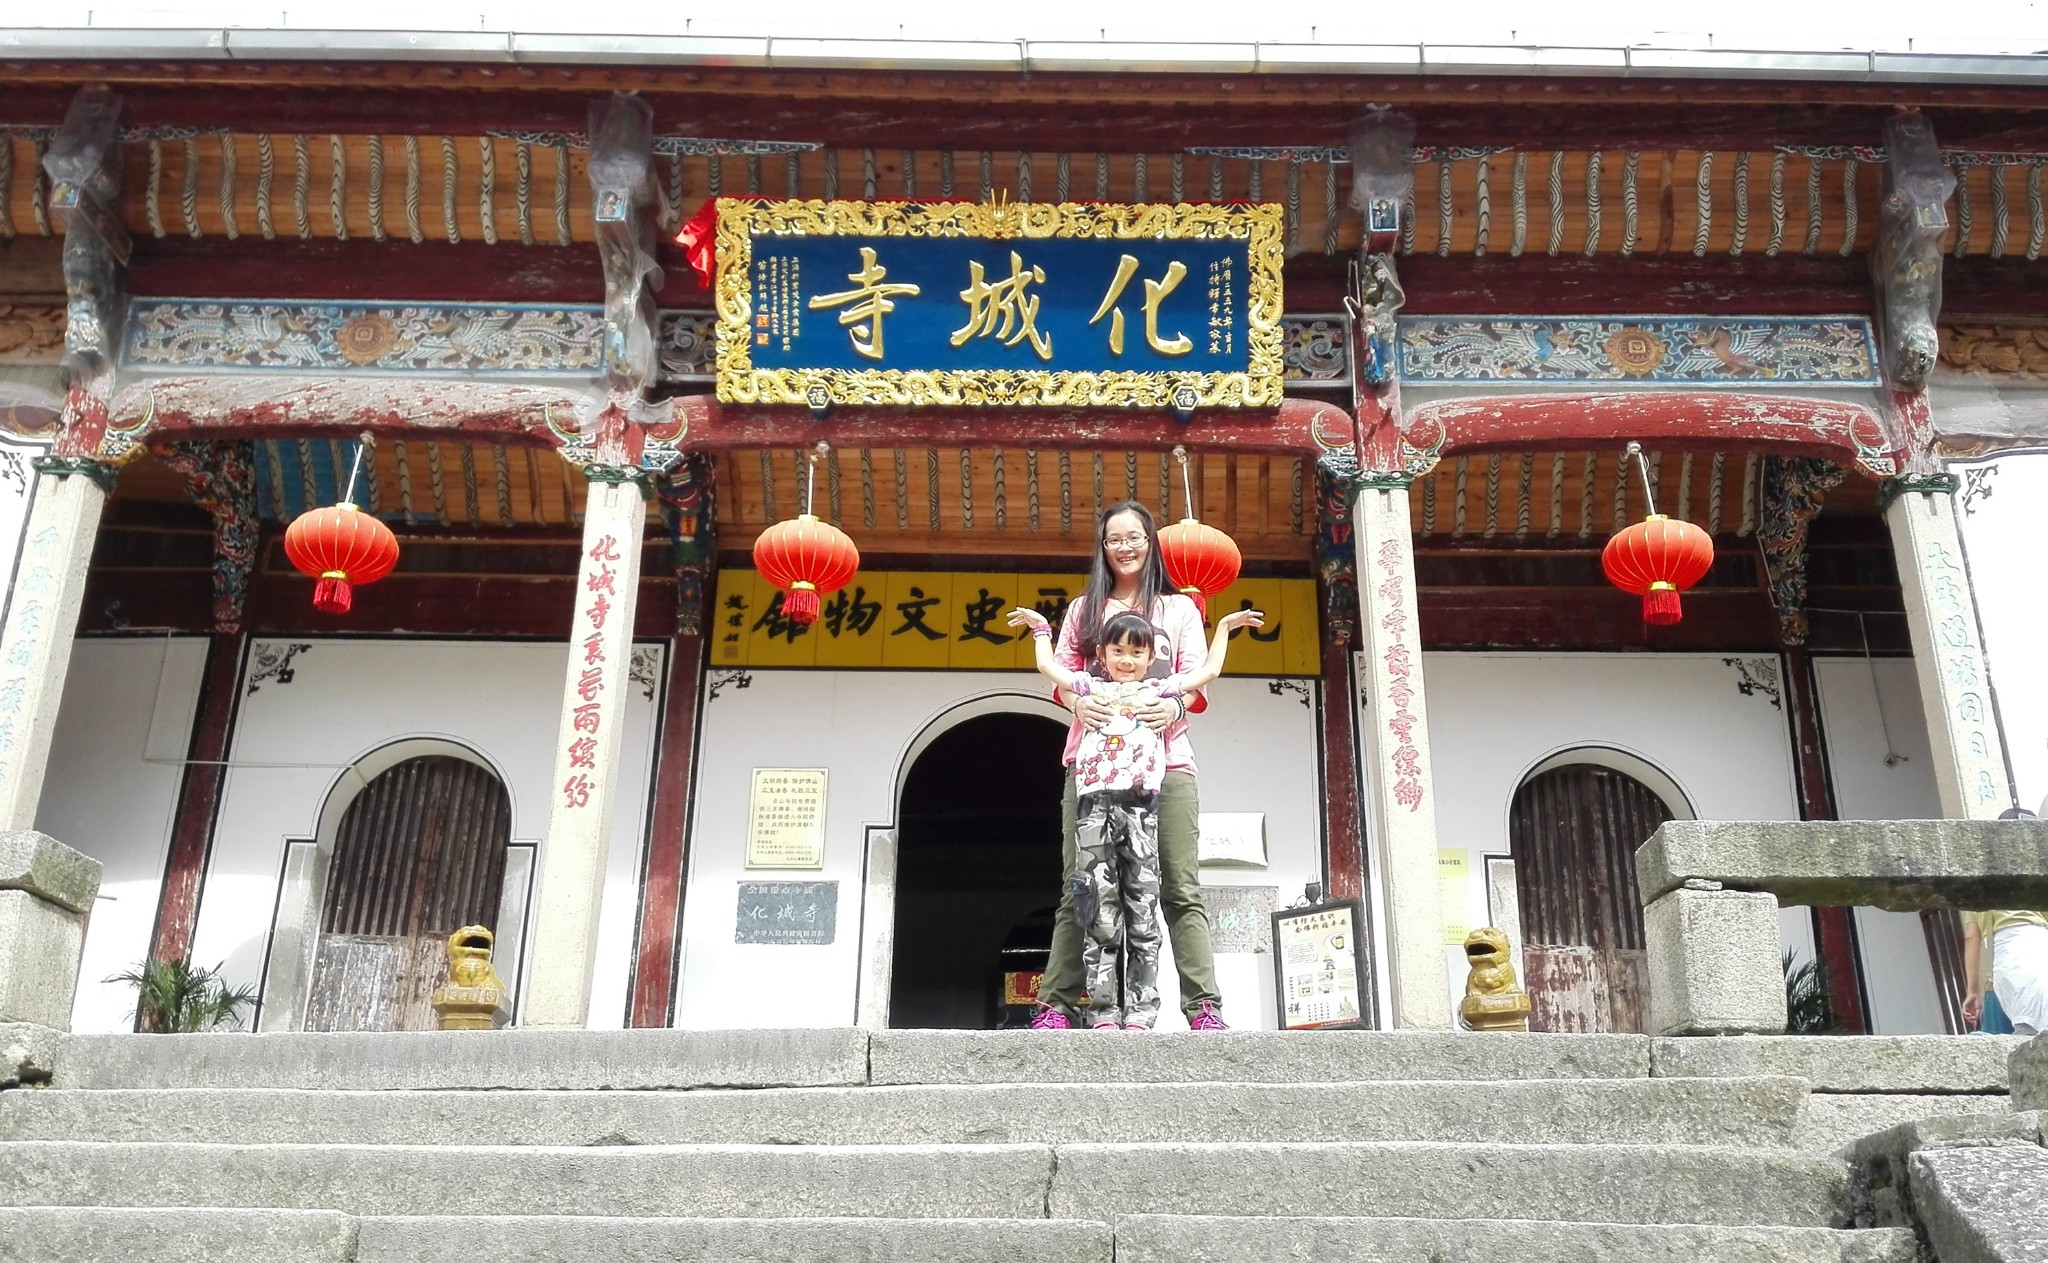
{"x": 1024, "y": 616}
{"x": 1241, "y": 618}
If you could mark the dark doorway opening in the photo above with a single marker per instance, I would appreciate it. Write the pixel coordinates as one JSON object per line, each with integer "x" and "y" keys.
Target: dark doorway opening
{"x": 1574, "y": 831}
{"x": 977, "y": 866}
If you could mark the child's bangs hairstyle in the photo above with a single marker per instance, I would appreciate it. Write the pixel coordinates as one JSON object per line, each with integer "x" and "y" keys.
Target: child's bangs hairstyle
{"x": 1128, "y": 628}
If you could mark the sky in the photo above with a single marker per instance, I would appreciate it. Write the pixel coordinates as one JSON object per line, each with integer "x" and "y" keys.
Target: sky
{"x": 1975, "y": 26}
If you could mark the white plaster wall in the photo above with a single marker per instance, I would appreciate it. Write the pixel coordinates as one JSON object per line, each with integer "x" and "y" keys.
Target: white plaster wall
{"x": 1878, "y": 759}
{"x": 1255, "y": 749}
{"x": 116, "y": 765}
{"x": 2003, "y": 514}
{"x": 294, "y": 742}
{"x": 1493, "y": 717}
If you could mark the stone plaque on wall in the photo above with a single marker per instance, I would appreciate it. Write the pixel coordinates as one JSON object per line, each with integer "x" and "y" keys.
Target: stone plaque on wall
{"x": 787, "y": 913}
{"x": 1241, "y": 917}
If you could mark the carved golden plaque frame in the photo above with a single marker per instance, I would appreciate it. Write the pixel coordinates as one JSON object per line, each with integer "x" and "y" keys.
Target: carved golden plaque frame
{"x": 1262, "y": 226}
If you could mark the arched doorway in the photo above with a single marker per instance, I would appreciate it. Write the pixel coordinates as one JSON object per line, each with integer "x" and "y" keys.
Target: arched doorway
{"x": 1573, "y": 830}
{"x": 420, "y": 852}
{"x": 977, "y": 865}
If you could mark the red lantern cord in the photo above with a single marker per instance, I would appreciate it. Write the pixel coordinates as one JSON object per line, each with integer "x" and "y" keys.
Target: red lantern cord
{"x": 1657, "y": 558}
{"x": 1200, "y": 560}
{"x": 807, "y": 557}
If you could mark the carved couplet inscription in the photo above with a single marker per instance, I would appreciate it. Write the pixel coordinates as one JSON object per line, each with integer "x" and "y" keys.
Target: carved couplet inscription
{"x": 786, "y": 818}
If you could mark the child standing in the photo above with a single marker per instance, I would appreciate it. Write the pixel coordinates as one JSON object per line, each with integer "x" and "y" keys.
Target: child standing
{"x": 1117, "y": 770}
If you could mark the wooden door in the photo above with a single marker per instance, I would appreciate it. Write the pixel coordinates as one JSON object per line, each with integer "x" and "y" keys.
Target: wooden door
{"x": 420, "y": 853}
{"x": 1574, "y": 831}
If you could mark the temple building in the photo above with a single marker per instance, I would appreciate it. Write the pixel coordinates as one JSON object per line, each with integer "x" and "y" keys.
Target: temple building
{"x": 579, "y": 325}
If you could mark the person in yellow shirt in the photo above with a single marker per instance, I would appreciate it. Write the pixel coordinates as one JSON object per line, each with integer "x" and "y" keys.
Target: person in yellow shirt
{"x": 2016, "y": 945}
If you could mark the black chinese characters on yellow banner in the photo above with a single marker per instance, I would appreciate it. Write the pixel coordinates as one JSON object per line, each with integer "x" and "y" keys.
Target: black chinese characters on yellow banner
{"x": 953, "y": 620}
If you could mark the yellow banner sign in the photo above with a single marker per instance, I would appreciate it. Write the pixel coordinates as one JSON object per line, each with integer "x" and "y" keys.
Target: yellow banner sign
{"x": 916, "y": 620}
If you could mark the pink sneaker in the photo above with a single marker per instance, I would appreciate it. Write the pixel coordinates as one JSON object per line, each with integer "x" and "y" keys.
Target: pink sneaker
{"x": 1133, "y": 1026}
{"x": 1107, "y": 1026}
{"x": 1050, "y": 1019}
{"x": 1208, "y": 1019}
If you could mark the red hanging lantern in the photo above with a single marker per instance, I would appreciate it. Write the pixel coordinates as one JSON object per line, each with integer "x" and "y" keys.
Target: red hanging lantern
{"x": 806, "y": 557}
{"x": 1200, "y": 560}
{"x": 1658, "y": 557}
{"x": 340, "y": 546}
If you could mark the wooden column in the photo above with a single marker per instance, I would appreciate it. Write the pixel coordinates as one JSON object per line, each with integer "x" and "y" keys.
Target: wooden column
{"x": 584, "y": 786}
{"x": 1834, "y": 929}
{"x": 177, "y": 908}
{"x": 1397, "y": 742}
{"x": 661, "y": 881}
{"x": 1343, "y": 842}
{"x": 1948, "y": 655}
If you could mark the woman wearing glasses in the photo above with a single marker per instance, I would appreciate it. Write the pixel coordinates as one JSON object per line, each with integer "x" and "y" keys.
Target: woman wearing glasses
{"x": 1128, "y": 575}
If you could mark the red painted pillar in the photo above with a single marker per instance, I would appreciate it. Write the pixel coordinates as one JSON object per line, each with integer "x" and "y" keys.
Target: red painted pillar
{"x": 177, "y": 909}
{"x": 1834, "y": 929}
{"x": 1343, "y": 838}
{"x": 662, "y": 880}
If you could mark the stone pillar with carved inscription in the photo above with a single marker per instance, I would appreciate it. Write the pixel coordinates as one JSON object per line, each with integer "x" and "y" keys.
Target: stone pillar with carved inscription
{"x": 35, "y": 647}
{"x": 585, "y": 781}
{"x": 1403, "y": 809}
{"x": 1948, "y": 653}
{"x": 84, "y": 169}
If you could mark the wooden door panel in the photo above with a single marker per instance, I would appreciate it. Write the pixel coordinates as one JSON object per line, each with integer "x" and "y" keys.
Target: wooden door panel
{"x": 1574, "y": 831}
{"x": 420, "y": 853}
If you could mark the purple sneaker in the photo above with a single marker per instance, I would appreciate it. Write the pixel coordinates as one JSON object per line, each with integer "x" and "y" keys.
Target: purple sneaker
{"x": 1207, "y": 1019}
{"x": 1050, "y": 1019}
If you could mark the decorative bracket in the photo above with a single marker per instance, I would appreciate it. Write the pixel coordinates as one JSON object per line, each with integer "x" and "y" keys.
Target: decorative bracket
{"x": 1912, "y": 220}
{"x": 1891, "y": 489}
{"x": 1794, "y": 489}
{"x": 99, "y": 471}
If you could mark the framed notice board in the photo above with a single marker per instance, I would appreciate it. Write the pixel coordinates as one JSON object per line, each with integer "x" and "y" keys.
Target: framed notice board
{"x": 1319, "y": 966}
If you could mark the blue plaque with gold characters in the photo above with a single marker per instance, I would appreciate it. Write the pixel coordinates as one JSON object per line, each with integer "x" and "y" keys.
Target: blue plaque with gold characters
{"x": 1091, "y": 305}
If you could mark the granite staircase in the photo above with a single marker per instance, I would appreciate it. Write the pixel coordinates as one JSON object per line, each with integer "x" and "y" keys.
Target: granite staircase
{"x": 1073, "y": 1147}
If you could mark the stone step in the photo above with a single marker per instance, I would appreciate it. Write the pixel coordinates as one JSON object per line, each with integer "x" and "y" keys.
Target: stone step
{"x": 1247, "y": 1056}
{"x": 568, "y": 1059}
{"x": 1622, "y": 1184}
{"x": 1204, "y": 1239}
{"x": 94, "y": 1234}
{"x": 151, "y": 1235}
{"x": 1758, "y": 1112}
{"x": 467, "y": 1059}
{"x": 1591, "y": 1183}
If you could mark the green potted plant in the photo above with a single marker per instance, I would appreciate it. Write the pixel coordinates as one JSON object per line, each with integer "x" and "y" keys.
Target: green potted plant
{"x": 175, "y": 998}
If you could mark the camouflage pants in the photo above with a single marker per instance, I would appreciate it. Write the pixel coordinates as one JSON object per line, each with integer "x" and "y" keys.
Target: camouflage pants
{"x": 1114, "y": 891}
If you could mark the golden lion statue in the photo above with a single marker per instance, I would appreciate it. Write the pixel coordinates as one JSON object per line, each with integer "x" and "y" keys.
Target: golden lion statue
{"x": 474, "y": 998}
{"x": 1494, "y": 1001}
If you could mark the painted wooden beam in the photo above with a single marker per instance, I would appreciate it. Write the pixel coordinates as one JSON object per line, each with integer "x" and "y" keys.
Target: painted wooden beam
{"x": 891, "y": 106}
{"x": 1669, "y": 420}
{"x": 1298, "y": 427}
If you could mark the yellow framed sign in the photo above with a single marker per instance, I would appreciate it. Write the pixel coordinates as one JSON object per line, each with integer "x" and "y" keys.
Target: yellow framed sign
{"x": 1012, "y": 303}
{"x": 920, "y": 620}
